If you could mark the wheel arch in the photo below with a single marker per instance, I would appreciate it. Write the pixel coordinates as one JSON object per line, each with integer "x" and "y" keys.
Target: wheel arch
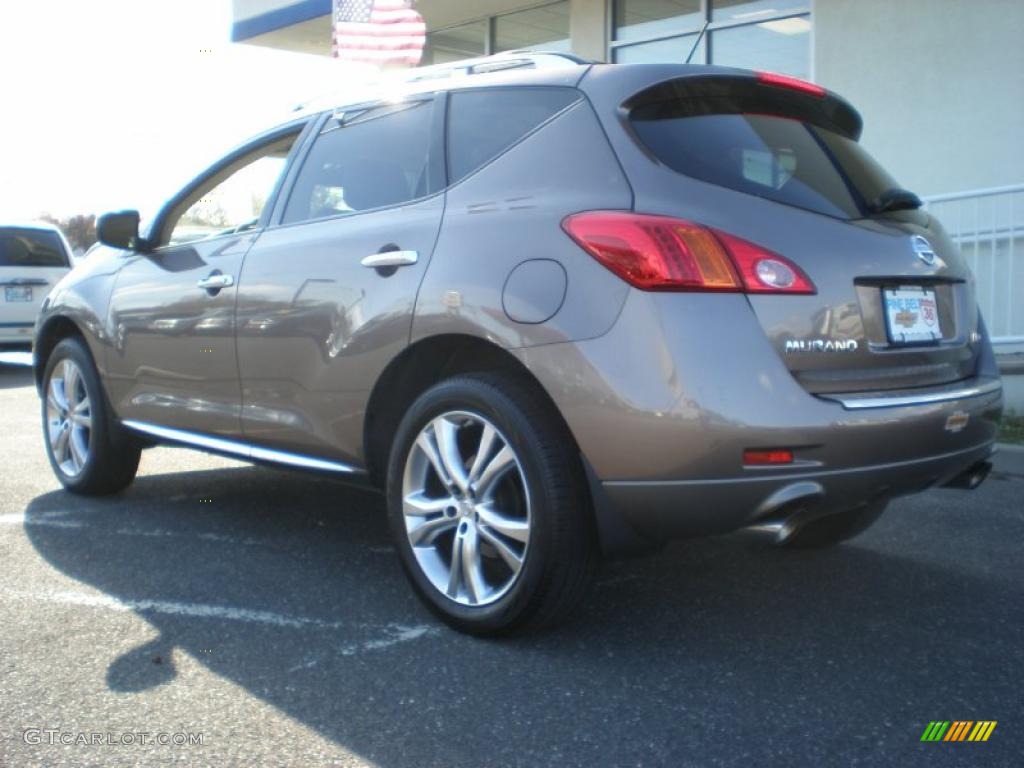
{"x": 52, "y": 332}
{"x": 417, "y": 368}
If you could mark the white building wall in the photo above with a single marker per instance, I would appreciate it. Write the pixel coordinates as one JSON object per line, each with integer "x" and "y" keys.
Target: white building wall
{"x": 590, "y": 28}
{"x": 940, "y": 84}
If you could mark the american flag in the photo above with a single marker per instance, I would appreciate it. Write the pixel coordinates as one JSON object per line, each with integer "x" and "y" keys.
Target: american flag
{"x": 381, "y": 32}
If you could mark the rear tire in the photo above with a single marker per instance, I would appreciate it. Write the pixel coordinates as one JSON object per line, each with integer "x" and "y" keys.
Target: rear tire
{"x": 516, "y": 523}
{"x": 85, "y": 452}
{"x": 830, "y": 530}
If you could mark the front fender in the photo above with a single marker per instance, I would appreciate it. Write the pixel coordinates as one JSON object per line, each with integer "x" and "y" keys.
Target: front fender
{"x": 78, "y": 305}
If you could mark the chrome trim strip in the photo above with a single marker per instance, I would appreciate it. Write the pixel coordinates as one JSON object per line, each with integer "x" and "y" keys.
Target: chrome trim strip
{"x": 243, "y": 450}
{"x": 858, "y": 402}
{"x": 298, "y": 460}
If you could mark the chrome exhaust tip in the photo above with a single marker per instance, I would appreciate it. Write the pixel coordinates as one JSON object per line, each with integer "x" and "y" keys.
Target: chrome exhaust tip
{"x": 971, "y": 478}
{"x": 779, "y": 514}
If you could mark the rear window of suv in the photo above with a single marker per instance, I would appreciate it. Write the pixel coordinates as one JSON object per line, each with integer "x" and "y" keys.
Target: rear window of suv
{"x": 778, "y": 155}
{"x": 484, "y": 123}
{"x": 27, "y": 247}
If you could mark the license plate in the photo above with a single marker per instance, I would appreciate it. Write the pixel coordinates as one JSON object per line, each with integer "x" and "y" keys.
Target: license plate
{"x": 17, "y": 293}
{"x": 911, "y": 315}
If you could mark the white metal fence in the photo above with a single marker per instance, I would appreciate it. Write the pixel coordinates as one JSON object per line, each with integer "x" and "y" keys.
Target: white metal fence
{"x": 988, "y": 225}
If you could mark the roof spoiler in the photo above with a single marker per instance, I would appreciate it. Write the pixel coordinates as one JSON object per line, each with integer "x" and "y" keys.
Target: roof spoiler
{"x": 718, "y": 93}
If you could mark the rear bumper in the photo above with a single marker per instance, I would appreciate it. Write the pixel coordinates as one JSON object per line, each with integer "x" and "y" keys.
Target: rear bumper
{"x": 675, "y": 509}
{"x": 664, "y": 405}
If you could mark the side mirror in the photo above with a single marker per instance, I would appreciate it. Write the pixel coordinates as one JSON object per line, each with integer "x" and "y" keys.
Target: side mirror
{"x": 119, "y": 229}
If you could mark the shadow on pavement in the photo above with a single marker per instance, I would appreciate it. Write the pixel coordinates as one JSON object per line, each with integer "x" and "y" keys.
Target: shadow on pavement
{"x": 14, "y": 376}
{"x": 711, "y": 650}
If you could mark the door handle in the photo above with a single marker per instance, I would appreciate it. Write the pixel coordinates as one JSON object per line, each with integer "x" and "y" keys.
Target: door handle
{"x": 391, "y": 259}
{"x": 215, "y": 282}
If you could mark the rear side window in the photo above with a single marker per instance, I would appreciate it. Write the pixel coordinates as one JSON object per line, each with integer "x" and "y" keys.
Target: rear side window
{"x": 484, "y": 123}
{"x": 372, "y": 159}
{"x": 778, "y": 152}
{"x": 27, "y": 247}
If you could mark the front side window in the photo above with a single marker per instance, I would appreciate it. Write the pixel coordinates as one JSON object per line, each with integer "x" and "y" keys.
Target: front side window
{"x": 28, "y": 247}
{"x": 371, "y": 159}
{"x": 234, "y": 199}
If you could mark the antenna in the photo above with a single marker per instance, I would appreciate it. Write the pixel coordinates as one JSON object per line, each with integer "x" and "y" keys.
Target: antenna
{"x": 700, "y": 36}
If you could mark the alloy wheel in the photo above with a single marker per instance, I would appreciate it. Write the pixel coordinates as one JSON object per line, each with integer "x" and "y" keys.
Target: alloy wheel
{"x": 466, "y": 508}
{"x": 68, "y": 417}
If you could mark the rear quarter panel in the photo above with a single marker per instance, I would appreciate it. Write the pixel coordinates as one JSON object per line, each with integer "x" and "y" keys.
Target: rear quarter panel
{"x": 849, "y": 261}
{"x": 510, "y": 212}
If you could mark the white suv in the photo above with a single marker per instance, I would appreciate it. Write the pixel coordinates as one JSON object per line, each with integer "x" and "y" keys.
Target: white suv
{"x": 33, "y": 258}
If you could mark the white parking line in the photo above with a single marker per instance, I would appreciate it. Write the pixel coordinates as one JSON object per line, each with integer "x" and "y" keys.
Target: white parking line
{"x": 167, "y": 534}
{"x": 170, "y": 608}
{"x": 392, "y": 634}
{"x": 398, "y": 634}
{"x": 51, "y": 519}
{"x": 55, "y": 520}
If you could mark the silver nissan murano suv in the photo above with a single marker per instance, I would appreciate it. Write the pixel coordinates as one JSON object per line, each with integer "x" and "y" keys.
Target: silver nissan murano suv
{"x": 552, "y": 309}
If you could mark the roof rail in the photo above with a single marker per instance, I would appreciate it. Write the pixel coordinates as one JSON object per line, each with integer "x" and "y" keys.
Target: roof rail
{"x": 520, "y": 59}
{"x": 500, "y": 62}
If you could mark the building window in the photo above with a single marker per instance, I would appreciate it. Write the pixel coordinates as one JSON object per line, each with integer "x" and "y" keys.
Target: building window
{"x": 638, "y": 20}
{"x": 668, "y": 49}
{"x": 462, "y": 42}
{"x": 544, "y": 28}
{"x": 771, "y": 35}
{"x": 753, "y": 10}
{"x": 784, "y": 48}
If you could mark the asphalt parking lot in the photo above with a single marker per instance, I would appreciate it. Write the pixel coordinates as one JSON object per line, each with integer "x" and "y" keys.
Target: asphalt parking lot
{"x": 266, "y": 611}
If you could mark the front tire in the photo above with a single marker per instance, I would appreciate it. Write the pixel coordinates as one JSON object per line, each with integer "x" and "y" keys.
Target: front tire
{"x": 84, "y": 452}
{"x": 489, "y": 506}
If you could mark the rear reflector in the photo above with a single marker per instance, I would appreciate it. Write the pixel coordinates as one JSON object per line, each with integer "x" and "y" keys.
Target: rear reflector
{"x": 767, "y": 457}
{"x": 792, "y": 83}
{"x": 660, "y": 253}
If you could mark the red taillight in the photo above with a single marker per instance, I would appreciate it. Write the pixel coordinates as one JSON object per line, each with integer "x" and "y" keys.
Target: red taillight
{"x": 760, "y": 458}
{"x": 655, "y": 253}
{"x": 659, "y": 253}
{"x": 793, "y": 83}
{"x": 763, "y": 271}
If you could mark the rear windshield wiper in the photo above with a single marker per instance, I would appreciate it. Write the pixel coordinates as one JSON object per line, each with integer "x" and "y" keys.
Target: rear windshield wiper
{"x": 895, "y": 199}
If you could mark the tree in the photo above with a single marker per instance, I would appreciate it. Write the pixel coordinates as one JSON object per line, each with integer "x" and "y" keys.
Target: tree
{"x": 80, "y": 230}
